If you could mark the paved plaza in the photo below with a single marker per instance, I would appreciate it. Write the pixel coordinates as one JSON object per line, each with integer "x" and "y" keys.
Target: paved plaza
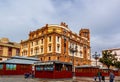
{"x": 22, "y": 79}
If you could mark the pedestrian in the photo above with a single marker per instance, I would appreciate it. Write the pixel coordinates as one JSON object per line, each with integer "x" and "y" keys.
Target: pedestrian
{"x": 95, "y": 78}
{"x": 32, "y": 74}
{"x": 99, "y": 76}
{"x": 26, "y": 75}
{"x": 112, "y": 76}
{"x": 103, "y": 78}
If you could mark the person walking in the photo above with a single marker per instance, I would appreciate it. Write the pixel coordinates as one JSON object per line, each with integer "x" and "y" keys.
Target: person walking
{"x": 112, "y": 76}
{"x": 103, "y": 78}
{"x": 95, "y": 78}
{"x": 99, "y": 76}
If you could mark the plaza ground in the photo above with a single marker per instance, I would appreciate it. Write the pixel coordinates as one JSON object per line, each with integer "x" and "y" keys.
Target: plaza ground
{"x": 20, "y": 78}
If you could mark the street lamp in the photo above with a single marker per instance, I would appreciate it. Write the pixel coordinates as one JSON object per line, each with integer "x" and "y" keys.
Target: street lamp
{"x": 73, "y": 50}
{"x": 96, "y": 57}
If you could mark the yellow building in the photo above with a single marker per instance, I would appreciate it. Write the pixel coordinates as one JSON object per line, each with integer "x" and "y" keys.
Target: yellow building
{"x": 58, "y": 42}
{"x": 8, "y": 49}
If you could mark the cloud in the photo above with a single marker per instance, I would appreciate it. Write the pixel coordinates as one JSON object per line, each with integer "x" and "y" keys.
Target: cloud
{"x": 101, "y": 17}
{"x": 22, "y": 16}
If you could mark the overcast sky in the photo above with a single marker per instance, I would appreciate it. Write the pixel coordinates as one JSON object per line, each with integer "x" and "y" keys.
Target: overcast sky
{"x": 102, "y": 17}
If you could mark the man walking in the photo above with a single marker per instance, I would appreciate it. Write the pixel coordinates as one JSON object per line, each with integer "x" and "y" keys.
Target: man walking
{"x": 112, "y": 76}
{"x": 99, "y": 76}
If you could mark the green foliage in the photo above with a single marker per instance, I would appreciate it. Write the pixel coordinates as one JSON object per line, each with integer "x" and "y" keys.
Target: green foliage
{"x": 117, "y": 64}
{"x": 108, "y": 58}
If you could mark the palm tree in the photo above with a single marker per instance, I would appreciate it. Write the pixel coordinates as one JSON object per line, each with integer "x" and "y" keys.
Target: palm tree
{"x": 108, "y": 58}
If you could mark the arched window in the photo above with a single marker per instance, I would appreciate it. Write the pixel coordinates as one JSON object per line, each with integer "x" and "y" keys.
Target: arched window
{"x": 49, "y": 47}
{"x": 49, "y": 38}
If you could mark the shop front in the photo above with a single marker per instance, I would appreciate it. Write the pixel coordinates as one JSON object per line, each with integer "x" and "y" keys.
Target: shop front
{"x": 53, "y": 69}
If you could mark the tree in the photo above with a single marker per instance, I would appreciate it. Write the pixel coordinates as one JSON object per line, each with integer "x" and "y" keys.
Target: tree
{"x": 117, "y": 64}
{"x": 108, "y": 58}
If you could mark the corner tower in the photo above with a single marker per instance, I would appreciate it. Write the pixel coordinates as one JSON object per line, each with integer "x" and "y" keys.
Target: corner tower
{"x": 85, "y": 33}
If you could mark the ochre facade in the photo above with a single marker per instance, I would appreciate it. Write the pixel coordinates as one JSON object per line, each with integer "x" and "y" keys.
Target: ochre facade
{"x": 8, "y": 49}
{"x": 58, "y": 42}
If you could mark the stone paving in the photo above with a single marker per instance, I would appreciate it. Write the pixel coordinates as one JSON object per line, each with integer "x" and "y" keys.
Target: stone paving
{"x": 22, "y": 79}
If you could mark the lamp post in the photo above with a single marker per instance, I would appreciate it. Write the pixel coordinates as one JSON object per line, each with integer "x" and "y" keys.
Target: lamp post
{"x": 73, "y": 50}
{"x": 96, "y": 57}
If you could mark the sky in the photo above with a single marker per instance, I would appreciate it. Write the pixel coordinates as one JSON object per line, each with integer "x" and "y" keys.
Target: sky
{"x": 102, "y": 17}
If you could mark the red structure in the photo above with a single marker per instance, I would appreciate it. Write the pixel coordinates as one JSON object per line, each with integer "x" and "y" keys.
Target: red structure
{"x": 86, "y": 71}
{"x": 105, "y": 72}
{"x": 91, "y": 71}
{"x": 53, "y": 69}
{"x": 17, "y": 65}
{"x": 116, "y": 72}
